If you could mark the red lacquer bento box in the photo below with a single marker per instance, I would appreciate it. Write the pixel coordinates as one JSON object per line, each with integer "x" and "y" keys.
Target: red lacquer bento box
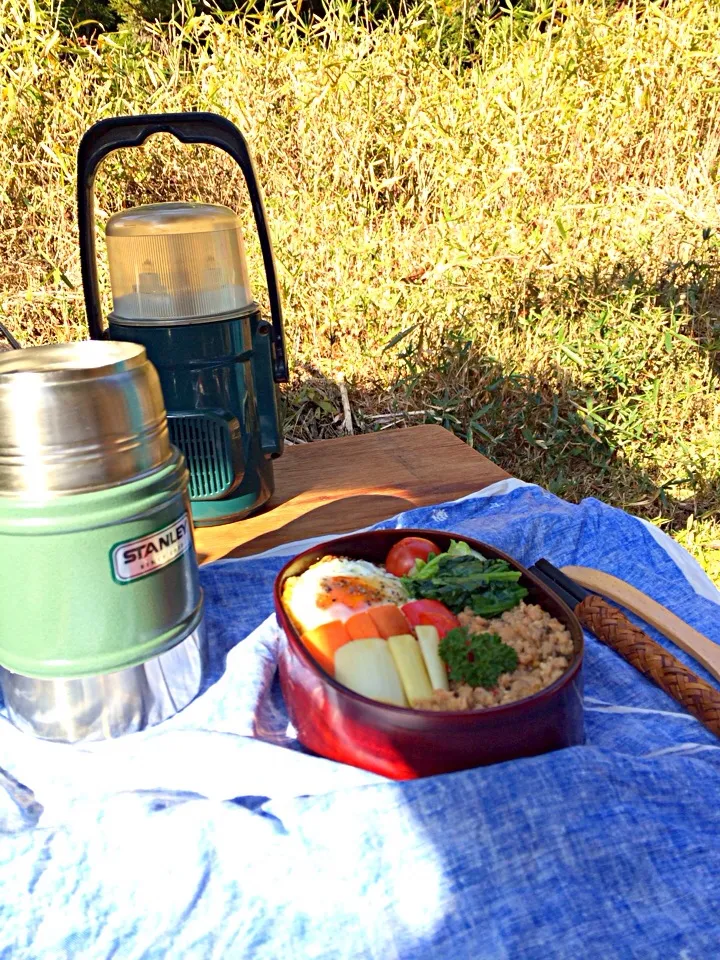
{"x": 404, "y": 743}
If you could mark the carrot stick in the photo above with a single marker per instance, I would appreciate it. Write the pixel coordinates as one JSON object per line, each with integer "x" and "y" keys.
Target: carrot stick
{"x": 323, "y": 641}
{"x": 361, "y": 626}
{"x": 389, "y": 620}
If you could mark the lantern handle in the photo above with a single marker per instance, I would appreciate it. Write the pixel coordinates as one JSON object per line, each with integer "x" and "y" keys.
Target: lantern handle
{"x": 115, "y": 133}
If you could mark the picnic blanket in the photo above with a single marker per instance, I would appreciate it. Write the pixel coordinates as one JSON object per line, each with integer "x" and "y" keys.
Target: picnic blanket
{"x": 215, "y": 835}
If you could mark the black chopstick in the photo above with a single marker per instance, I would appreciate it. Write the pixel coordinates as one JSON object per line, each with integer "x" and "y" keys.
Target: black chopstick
{"x": 562, "y": 586}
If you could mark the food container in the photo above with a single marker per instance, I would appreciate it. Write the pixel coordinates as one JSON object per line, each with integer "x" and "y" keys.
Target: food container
{"x": 101, "y": 620}
{"x": 402, "y": 743}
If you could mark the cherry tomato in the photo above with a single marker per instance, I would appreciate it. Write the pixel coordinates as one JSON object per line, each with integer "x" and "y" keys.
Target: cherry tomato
{"x": 430, "y": 613}
{"x": 403, "y": 555}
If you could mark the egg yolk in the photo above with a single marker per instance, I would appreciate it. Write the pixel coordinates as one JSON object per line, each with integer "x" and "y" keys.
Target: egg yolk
{"x": 352, "y": 592}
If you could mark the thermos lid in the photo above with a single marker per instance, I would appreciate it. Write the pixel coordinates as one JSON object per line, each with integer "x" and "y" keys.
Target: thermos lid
{"x": 78, "y": 417}
{"x": 176, "y": 262}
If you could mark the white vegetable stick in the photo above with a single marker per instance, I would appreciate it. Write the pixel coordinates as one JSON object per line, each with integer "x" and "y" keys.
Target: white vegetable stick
{"x": 367, "y": 667}
{"x": 411, "y": 667}
{"x": 429, "y": 640}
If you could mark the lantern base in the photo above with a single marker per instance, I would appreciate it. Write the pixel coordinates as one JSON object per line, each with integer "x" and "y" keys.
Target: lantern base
{"x": 256, "y": 488}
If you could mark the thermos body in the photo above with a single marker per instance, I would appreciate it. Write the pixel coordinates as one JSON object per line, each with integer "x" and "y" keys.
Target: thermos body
{"x": 101, "y": 625}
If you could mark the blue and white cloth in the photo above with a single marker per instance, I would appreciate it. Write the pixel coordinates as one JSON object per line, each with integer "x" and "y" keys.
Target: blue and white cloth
{"x": 216, "y": 836}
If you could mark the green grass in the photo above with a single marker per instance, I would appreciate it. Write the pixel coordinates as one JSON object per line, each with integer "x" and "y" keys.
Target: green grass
{"x": 520, "y": 243}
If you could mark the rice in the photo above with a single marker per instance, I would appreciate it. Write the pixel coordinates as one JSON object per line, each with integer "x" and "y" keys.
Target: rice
{"x": 544, "y": 648}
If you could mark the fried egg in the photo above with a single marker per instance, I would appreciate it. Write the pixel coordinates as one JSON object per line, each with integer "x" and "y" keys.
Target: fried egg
{"x": 335, "y": 588}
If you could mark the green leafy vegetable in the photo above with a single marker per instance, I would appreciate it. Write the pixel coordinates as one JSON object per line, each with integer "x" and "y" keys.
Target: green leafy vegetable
{"x": 478, "y": 659}
{"x": 462, "y": 578}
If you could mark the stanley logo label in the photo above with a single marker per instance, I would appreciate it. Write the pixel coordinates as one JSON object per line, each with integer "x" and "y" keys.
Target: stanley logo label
{"x": 138, "y": 558}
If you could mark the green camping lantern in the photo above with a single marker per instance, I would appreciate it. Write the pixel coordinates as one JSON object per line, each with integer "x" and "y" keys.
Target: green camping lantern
{"x": 180, "y": 288}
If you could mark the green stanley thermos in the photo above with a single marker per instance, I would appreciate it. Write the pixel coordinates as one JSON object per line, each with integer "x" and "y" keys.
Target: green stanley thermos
{"x": 180, "y": 288}
{"x": 101, "y": 620}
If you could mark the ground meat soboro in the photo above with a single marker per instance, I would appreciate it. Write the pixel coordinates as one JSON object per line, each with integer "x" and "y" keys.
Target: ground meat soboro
{"x": 544, "y": 648}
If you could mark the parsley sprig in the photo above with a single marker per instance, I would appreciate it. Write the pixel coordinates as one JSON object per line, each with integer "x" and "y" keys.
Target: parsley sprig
{"x": 478, "y": 659}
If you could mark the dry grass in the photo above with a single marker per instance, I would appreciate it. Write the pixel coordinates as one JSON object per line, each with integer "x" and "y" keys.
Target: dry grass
{"x": 523, "y": 248}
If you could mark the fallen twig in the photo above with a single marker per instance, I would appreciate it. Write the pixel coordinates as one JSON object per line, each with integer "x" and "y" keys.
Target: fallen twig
{"x": 347, "y": 421}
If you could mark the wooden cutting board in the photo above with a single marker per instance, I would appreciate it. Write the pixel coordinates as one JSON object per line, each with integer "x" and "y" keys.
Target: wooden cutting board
{"x": 333, "y": 486}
